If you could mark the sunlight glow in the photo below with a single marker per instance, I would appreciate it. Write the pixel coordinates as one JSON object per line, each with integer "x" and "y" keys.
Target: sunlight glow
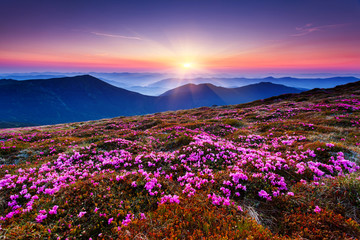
{"x": 187, "y": 65}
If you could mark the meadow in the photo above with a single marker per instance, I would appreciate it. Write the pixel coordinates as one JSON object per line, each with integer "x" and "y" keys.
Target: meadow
{"x": 286, "y": 167}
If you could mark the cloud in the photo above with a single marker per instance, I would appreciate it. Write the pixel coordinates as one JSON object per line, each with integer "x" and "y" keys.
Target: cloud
{"x": 115, "y": 36}
{"x": 310, "y": 28}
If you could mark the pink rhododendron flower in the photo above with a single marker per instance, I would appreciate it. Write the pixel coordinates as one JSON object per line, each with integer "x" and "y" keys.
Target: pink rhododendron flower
{"x": 317, "y": 209}
{"x": 263, "y": 194}
{"x": 40, "y": 217}
{"x": 54, "y": 210}
{"x": 81, "y": 214}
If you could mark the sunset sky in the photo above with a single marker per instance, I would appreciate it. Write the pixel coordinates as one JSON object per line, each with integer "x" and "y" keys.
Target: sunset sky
{"x": 240, "y": 36}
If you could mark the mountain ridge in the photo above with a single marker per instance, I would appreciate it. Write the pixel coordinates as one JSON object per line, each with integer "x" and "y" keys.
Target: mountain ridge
{"x": 302, "y": 83}
{"x": 67, "y": 99}
{"x": 155, "y": 84}
{"x": 224, "y": 96}
{"x": 84, "y": 97}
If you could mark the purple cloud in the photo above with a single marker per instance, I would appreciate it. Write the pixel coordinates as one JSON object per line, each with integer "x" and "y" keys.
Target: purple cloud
{"x": 115, "y": 36}
{"x": 310, "y": 27}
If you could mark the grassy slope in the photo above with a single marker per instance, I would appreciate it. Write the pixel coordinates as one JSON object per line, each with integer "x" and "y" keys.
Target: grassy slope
{"x": 284, "y": 167}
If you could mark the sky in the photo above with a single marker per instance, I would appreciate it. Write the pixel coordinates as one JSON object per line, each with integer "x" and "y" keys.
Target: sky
{"x": 198, "y": 36}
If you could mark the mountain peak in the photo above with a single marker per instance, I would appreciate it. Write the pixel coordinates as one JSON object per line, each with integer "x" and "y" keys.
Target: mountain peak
{"x": 85, "y": 76}
{"x": 267, "y": 83}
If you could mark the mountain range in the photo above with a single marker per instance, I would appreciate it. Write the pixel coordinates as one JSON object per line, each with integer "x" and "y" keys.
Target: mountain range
{"x": 163, "y": 85}
{"x": 81, "y": 98}
{"x": 193, "y": 95}
{"x": 155, "y": 84}
{"x": 67, "y": 99}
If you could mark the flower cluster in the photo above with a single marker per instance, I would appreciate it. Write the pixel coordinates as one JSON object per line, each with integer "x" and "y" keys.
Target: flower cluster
{"x": 120, "y": 173}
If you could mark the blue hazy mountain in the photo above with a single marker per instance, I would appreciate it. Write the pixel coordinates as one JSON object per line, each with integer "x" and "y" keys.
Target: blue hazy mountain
{"x": 206, "y": 94}
{"x": 155, "y": 84}
{"x": 303, "y": 83}
{"x": 67, "y": 99}
{"x": 85, "y": 97}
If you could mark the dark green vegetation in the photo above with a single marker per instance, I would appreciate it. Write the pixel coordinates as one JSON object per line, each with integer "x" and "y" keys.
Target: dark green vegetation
{"x": 286, "y": 167}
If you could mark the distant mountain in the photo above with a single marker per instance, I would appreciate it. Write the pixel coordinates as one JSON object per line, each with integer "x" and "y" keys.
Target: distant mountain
{"x": 28, "y": 76}
{"x": 311, "y": 83}
{"x": 68, "y": 99}
{"x": 192, "y": 95}
{"x": 129, "y": 81}
{"x": 126, "y": 79}
{"x": 155, "y": 84}
{"x": 303, "y": 83}
{"x": 81, "y": 98}
{"x": 151, "y": 91}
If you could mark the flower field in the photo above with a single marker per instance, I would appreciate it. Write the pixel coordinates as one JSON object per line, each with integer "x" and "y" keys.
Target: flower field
{"x": 281, "y": 168}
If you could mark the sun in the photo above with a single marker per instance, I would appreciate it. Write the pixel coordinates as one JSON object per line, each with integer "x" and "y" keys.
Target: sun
{"x": 188, "y": 68}
{"x": 187, "y": 65}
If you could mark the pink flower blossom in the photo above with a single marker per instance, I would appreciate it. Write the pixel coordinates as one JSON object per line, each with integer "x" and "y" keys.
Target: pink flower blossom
{"x": 317, "y": 209}
{"x": 81, "y": 214}
{"x": 142, "y": 216}
{"x": 263, "y": 194}
{"x": 40, "y": 217}
{"x": 170, "y": 198}
{"x": 54, "y": 210}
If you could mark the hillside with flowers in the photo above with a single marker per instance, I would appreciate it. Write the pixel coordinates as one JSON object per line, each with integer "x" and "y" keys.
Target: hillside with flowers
{"x": 286, "y": 167}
